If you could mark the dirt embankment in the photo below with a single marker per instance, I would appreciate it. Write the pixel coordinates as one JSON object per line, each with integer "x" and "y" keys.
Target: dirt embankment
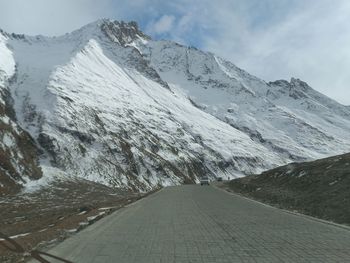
{"x": 46, "y": 217}
{"x": 319, "y": 188}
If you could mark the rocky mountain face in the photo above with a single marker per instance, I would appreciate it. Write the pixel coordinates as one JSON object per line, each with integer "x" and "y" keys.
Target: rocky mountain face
{"x": 18, "y": 152}
{"x": 108, "y": 104}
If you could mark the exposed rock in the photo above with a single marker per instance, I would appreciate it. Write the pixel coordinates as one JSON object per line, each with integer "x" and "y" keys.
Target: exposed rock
{"x": 122, "y": 32}
{"x": 18, "y": 152}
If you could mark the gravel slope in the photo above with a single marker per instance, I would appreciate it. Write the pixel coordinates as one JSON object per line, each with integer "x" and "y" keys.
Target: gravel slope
{"x": 319, "y": 188}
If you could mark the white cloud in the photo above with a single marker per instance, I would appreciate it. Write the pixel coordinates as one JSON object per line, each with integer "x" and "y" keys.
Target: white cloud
{"x": 51, "y": 17}
{"x": 310, "y": 41}
{"x": 163, "y": 25}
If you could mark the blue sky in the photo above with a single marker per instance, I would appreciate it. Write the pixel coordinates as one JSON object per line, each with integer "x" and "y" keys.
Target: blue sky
{"x": 272, "y": 39}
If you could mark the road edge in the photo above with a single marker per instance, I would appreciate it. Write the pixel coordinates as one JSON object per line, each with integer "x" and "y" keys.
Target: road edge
{"x": 95, "y": 224}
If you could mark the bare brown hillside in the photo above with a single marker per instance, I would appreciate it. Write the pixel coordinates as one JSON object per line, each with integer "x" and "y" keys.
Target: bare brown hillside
{"x": 319, "y": 188}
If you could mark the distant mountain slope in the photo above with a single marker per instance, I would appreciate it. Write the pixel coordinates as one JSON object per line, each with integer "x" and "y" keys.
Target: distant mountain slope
{"x": 319, "y": 188}
{"x": 109, "y": 104}
{"x": 289, "y": 118}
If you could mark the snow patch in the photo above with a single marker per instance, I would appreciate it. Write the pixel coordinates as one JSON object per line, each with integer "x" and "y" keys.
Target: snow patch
{"x": 16, "y": 236}
{"x": 50, "y": 174}
{"x": 8, "y": 140}
{"x": 334, "y": 182}
{"x": 301, "y": 174}
{"x": 7, "y": 62}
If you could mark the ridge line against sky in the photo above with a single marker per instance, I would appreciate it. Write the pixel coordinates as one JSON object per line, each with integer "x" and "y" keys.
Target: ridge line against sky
{"x": 272, "y": 39}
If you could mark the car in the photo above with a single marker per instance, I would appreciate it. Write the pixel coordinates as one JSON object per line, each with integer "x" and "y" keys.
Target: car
{"x": 205, "y": 180}
{"x": 219, "y": 179}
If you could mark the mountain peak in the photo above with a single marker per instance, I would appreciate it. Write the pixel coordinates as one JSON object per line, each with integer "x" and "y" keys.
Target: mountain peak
{"x": 3, "y": 33}
{"x": 122, "y": 32}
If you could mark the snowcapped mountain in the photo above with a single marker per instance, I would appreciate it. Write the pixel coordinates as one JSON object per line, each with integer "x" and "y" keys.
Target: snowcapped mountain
{"x": 109, "y": 104}
{"x": 290, "y": 119}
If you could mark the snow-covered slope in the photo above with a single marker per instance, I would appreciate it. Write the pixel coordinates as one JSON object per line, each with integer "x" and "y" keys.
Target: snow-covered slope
{"x": 18, "y": 154}
{"x": 108, "y": 104}
{"x": 289, "y": 118}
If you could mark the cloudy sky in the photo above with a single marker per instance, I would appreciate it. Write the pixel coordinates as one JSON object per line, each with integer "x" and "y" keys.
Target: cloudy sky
{"x": 272, "y": 39}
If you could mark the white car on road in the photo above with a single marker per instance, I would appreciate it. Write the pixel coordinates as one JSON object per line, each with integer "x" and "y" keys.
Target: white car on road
{"x": 205, "y": 180}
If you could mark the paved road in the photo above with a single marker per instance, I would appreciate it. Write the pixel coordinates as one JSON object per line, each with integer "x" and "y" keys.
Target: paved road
{"x": 205, "y": 224}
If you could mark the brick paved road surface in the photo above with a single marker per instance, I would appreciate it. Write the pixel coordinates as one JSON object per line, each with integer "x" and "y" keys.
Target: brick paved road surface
{"x": 204, "y": 224}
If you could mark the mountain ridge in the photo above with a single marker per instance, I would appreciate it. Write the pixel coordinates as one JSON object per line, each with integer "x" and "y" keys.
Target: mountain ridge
{"x": 109, "y": 104}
